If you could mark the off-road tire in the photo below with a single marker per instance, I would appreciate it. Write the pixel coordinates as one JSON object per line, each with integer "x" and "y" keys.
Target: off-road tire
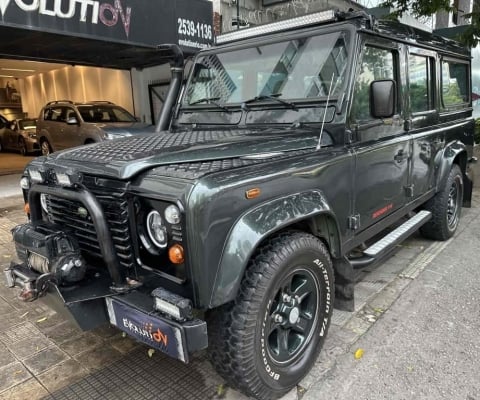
{"x": 445, "y": 207}
{"x": 45, "y": 147}
{"x": 242, "y": 350}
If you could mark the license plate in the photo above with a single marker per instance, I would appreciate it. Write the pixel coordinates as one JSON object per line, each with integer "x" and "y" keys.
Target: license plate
{"x": 148, "y": 329}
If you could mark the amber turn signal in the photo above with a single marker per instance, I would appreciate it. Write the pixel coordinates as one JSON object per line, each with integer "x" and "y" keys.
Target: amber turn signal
{"x": 26, "y": 208}
{"x": 175, "y": 254}
{"x": 252, "y": 193}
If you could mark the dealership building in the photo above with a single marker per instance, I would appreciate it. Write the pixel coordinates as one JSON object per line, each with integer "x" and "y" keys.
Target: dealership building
{"x": 91, "y": 50}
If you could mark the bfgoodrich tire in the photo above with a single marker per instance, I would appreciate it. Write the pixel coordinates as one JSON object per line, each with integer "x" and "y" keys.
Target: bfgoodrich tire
{"x": 267, "y": 340}
{"x": 445, "y": 207}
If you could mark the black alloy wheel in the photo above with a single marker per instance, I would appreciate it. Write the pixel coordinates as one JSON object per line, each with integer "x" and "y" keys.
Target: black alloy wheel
{"x": 22, "y": 146}
{"x": 45, "y": 147}
{"x": 267, "y": 340}
{"x": 446, "y": 207}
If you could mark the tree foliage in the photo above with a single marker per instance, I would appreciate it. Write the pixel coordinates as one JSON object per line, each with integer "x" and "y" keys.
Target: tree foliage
{"x": 425, "y": 8}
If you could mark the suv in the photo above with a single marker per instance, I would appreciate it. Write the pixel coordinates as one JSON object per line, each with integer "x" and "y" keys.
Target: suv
{"x": 63, "y": 124}
{"x": 290, "y": 151}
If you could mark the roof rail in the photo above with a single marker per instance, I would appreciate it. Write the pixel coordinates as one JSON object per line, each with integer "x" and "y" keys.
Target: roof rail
{"x": 59, "y": 101}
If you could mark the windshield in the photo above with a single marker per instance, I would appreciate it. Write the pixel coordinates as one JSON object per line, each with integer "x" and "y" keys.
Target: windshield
{"x": 105, "y": 113}
{"x": 27, "y": 124}
{"x": 300, "y": 68}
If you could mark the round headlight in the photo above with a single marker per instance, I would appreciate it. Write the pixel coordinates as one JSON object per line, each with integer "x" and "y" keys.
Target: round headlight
{"x": 43, "y": 202}
{"x": 156, "y": 229}
{"x": 172, "y": 214}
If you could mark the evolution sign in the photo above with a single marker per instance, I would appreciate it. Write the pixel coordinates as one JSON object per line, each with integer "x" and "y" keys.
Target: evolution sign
{"x": 147, "y": 22}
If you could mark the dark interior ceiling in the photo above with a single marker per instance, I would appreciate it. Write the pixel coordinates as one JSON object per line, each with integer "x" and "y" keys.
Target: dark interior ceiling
{"x": 73, "y": 50}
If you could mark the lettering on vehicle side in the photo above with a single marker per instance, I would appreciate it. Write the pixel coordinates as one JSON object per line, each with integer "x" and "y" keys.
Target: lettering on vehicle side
{"x": 266, "y": 364}
{"x": 146, "y": 331}
{"x": 382, "y": 211}
{"x": 108, "y": 14}
{"x": 328, "y": 296}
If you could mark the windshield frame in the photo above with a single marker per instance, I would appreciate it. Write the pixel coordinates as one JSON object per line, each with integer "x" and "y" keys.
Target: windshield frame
{"x": 347, "y": 28}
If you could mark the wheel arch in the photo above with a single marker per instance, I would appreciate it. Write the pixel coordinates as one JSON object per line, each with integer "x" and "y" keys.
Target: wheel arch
{"x": 306, "y": 211}
{"x": 454, "y": 153}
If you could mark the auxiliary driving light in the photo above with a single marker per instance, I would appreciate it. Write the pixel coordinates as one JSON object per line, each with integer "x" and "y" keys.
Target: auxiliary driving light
{"x": 36, "y": 176}
{"x": 63, "y": 179}
{"x": 172, "y": 304}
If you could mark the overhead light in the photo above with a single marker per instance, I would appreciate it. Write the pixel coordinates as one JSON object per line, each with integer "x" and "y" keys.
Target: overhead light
{"x": 304, "y": 20}
{"x": 18, "y": 69}
{"x": 7, "y": 76}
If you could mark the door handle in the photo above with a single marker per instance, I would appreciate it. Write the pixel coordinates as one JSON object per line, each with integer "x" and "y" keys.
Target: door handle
{"x": 400, "y": 156}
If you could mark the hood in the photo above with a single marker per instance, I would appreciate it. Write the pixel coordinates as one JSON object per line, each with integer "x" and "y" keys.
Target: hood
{"x": 125, "y": 158}
{"x": 126, "y": 128}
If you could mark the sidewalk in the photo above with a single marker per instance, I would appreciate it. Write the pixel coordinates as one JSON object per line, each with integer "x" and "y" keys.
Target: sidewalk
{"x": 426, "y": 345}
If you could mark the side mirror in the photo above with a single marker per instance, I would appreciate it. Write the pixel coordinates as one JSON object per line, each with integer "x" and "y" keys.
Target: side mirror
{"x": 72, "y": 121}
{"x": 383, "y": 94}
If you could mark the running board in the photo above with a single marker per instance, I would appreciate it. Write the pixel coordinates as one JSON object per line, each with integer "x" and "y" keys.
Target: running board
{"x": 398, "y": 235}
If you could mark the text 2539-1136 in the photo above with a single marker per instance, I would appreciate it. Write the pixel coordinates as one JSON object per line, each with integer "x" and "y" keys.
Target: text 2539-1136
{"x": 191, "y": 28}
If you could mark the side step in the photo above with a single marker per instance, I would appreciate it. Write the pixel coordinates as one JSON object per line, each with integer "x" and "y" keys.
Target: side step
{"x": 378, "y": 249}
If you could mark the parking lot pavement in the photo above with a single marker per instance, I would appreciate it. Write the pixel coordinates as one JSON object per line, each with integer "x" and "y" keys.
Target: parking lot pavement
{"x": 42, "y": 355}
{"x": 13, "y": 163}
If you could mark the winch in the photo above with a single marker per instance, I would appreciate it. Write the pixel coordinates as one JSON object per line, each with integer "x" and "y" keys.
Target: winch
{"x": 48, "y": 250}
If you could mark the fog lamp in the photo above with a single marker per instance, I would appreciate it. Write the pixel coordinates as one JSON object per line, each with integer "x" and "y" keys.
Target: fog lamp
{"x": 172, "y": 304}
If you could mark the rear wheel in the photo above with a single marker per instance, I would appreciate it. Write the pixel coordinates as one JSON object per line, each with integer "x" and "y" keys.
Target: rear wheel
{"x": 445, "y": 207}
{"x": 22, "y": 146}
{"x": 45, "y": 147}
{"x": 267, "y": 340}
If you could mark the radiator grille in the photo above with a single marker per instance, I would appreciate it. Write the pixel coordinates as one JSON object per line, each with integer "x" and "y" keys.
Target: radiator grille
{"x": 73, "y": 215}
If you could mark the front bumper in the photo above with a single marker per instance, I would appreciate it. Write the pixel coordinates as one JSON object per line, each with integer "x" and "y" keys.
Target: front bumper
{"x": 92, "y": 301}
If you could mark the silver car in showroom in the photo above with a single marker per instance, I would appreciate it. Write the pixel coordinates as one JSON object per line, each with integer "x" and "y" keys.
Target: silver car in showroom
{"x": 19, "y": 135}
{"x": 63, "y": 124}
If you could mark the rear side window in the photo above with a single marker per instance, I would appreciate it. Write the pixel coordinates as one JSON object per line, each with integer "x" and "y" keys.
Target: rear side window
{"x": 421, "y": 77}
{"x": 455, "y": 83}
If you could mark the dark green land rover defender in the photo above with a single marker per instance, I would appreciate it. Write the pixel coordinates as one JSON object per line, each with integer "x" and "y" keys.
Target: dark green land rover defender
{"x": 238, "y": 225}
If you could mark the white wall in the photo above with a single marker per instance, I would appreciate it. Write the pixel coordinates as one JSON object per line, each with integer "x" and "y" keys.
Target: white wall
{"x": 141, "y": 79}
{"x": 77, "y": 84}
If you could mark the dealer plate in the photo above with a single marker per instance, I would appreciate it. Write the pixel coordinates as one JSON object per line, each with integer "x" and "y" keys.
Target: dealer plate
{"x": 146, "y": 328}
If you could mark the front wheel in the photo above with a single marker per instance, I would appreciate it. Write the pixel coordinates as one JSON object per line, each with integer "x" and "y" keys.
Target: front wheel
{"x": 45, "y": 147}
{"x": 267, "y": 340}
{"x": 445, "y": 207}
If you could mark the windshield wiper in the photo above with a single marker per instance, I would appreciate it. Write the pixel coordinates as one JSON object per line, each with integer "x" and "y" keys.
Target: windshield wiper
{"x": 210, "y": 100}
{"x": 270, "y": 97}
